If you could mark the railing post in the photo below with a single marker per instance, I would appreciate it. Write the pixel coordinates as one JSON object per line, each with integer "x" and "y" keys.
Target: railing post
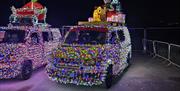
{"x": 145, "y": 41}
{"x": 154, "y": 48}
{"x": 169, "y": 51}
{"x": 169, "y": 54}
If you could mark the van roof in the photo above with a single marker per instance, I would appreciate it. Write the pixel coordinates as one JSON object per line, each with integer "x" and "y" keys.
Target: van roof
{"x": 96, "y": 28}
{"x": 26, "y": 28}
{"x": 84, "y": 28}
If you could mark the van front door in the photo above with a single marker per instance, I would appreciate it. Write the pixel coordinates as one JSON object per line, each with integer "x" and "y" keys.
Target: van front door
{"x": 35, "y": 49}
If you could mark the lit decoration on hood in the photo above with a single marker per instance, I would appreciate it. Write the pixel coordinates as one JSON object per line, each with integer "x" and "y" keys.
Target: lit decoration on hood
{"x": 78, "y": 52}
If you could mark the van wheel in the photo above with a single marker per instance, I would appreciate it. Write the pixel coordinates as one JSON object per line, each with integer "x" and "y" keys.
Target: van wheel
{"x": 26, "y": 70}
{"x": 109, "y": 77}
{"x": 129, "y": 59}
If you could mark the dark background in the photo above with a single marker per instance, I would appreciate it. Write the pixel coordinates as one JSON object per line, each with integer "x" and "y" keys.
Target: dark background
{"x": 140, "y": 13}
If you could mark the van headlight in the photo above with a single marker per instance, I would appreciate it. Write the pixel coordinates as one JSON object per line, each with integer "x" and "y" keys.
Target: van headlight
{"x": 109, "y": 61}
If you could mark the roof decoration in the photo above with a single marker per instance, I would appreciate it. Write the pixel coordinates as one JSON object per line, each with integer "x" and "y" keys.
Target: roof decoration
{"x": 33, "y": 5}
{"x": 109, "y": 12}
{"x": 31, "y": 14}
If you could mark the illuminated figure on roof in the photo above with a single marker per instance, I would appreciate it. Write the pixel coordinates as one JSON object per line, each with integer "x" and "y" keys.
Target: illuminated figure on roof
{"x": 112, "y": 5}
{"x": 108, "y": 5}
{"x": 32, "y": 13}
{"x": 117, "y": 5}
{"x": 99, "y": 14}
{"x": 109, "y": 12}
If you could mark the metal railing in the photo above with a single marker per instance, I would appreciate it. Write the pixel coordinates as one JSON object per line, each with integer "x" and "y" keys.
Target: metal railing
{"x": 164, "y": 50}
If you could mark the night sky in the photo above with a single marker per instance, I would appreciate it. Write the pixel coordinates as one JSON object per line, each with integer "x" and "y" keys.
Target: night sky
{"x": 140, "y": 13}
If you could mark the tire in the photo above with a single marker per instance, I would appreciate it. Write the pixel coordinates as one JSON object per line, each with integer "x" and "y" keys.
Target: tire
{"x": 129, "y": 59}
{"x": 109, "y": 77}
{"x": 26, "y": 70}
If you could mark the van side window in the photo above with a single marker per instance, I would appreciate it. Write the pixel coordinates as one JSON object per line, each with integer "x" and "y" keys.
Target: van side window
{"x": 51, "y": 36}
{"x": 47, "y": 36}
{"x": 113, "y": 38}
{"x": 34, "y": 38}
{"x": 121, "y": 35}
{"x": 12, "y": 36}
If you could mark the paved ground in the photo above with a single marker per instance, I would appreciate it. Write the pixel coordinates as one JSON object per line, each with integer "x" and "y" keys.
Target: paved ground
{"x": 145, "y": 74}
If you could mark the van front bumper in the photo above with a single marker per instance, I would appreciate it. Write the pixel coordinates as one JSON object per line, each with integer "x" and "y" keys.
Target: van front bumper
{"x": 8, "y": 71}
{"x": 89, "y": 75}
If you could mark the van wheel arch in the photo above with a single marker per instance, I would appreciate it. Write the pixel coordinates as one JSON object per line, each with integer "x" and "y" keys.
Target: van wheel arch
{"x": 109, "y": 76}
{"x": 129, "y": 56}
{"x": 26, "y": 69}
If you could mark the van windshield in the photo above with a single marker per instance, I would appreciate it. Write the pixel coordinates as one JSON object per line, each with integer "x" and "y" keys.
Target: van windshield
{"x": 86, "y": 37}
{"x": 12, "y": 36}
